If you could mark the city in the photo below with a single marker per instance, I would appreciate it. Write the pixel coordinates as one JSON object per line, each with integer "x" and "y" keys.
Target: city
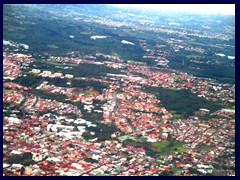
{"x": 104, "y": 115}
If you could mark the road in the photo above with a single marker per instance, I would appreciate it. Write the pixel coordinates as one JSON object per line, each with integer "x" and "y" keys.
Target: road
{"x": 22, "y": 104}
{"x": 207, "y": 140}
{"x": 117, "y": 107}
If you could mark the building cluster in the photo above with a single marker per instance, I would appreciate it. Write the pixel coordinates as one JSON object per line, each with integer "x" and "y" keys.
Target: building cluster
{"x": 206, "y": 88}
{"x": 48, "y": 131}
{"x": 12, "y": 85}
{"x": 137, "y": 112}
{"x": 113, "y": 58}
{"x": 147, "y": 25}
{"x": 50, "y": 88}
{"x": 36, "y": 104}
{"x": 86, "y": 95}
{"x": 13, "y": 63}
{"x": 12, "y": 97}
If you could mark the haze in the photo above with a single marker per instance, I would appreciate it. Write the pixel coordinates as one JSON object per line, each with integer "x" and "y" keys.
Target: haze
{"x": 227, "y": 9}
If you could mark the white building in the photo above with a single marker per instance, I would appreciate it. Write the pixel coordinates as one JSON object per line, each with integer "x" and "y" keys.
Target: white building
{"x": 37, "y": 71}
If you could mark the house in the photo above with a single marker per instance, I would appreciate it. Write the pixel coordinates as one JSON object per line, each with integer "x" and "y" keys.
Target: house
{"x": 46, "y": 73}
{"x": 57, "y": 74}
{"x": 36, "y": 71}
{"x": 70, "y": 76}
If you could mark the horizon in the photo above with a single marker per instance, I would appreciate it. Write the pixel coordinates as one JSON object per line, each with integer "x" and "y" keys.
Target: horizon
{"x": 225, "y": 9}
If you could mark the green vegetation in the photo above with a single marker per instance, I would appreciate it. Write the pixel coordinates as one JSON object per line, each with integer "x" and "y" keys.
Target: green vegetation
{"x": 34, "y": 81}
{"x": 29, "y": 80}
{"x": 52, "y": 46}
{"x": 56, "y": 63}
{"x": 160, "y": 145}
{"x": 9, "y": 90}
{"x": 38, "y": 29}
{"x": 206, "y": 148}
{"x": 91, "y": 160}
{"x": 224, "y": 72}
{"x": 57, "y": 81}
{"x": 116, "y": 54}
{"x": 83, "y": 84}
{"x": 81, "y": 70}
{"x": 87, "y": 93}
{"x": 6, "y": 104}
{"x": 24, "y": 159}
{"x": 123, "y": 138}
{"x": 193, "y": 56}
{"x": 92, "y": 70}
{"x": 183, "y": 102}
{"x": 56, "y": 29}
{"x": 46, "y": 95}
{"x": 102, "y": 132}
{"x": 163, "y": 148}
{"x": 166, "y": 148}
{"x": 176, "y": 116}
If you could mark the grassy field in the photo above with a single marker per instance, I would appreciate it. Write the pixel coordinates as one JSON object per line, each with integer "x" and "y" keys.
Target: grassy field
{"x": 205, "y": 148}
{"x": 193, "y": 56}
{"x": 52, "y": 46}
{"x": 160, "y": 145}
{"x": 9, "y": 90}
{"x": 87, "y": 93}
{"x": 166, "y": 148}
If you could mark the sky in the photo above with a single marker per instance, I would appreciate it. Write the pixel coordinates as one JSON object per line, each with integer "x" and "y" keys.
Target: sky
{"x": 228, "y": 9}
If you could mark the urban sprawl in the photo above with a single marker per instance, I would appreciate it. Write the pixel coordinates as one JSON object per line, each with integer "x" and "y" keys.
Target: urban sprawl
{"x": 46, "y": 140}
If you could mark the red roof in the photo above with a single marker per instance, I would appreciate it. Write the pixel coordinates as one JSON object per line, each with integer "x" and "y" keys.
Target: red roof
{"x": 70, "y": 167}
{"x": 151, "y": 169}
{"x": 91, "y": 147}
{"x": 65, "y": 143}
{"x": 141, "y": 150}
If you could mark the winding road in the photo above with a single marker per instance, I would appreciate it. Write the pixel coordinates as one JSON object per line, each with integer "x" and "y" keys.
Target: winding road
{"x": 117, "y": 107}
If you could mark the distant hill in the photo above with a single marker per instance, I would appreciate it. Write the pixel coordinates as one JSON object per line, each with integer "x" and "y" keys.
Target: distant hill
{"x": 191, "y": 41}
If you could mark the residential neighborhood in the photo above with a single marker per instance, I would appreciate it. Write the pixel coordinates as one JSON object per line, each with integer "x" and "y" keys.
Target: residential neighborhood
{"x": 58, "y": 143}
{"x": 119, "y": 90}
